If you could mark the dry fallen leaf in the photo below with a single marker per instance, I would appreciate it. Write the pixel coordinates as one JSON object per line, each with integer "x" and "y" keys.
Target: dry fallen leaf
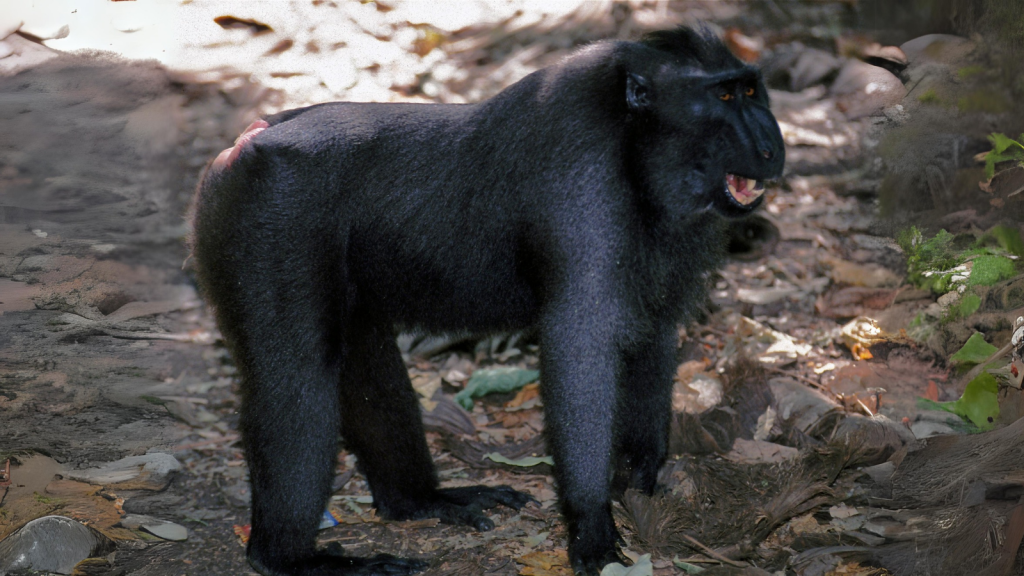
{"x": 529, "y": 392}
{"x": 554, "y": 563}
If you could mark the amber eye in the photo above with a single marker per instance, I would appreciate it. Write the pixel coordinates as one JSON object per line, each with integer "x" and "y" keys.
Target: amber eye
{"x": 726, "y": 97}
{"x": 749, "y": 92}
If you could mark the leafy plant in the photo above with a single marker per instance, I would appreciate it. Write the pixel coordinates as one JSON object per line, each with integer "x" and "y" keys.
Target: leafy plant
{"x": 946, "y": 262}
{"x": 987, "y": 270}
{"x": 926, "y": 256}
{"x": 975, "y": 351}
{"x": 979, "y": 402}
{"x": 1004, "y": 149}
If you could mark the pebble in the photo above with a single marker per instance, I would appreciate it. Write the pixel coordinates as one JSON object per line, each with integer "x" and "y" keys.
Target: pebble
{"x": 167, "y": 531}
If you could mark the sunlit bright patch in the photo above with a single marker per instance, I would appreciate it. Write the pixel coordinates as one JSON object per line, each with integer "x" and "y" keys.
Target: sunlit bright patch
{"x": 743, "y": 190}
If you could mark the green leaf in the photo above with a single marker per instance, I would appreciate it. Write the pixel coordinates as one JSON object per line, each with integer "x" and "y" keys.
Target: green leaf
{"x": 979, "y": 403}
{"x": 969, "y": 305}
{"x": 991, "y": 159}
{"x": 1000, "y": 142}
{"x": 487, "y": 380}
{"x": 1003, "y": 148}
{"x": 929, "y": 404}
{"x": 524, "y": 462}
{"x": 974, "y": 351}
{"x": 1002, "y": 156}
{"x": 987, "y": 270}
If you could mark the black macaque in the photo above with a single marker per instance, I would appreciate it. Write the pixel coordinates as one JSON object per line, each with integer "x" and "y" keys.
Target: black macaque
{"x": 587, "y": 201}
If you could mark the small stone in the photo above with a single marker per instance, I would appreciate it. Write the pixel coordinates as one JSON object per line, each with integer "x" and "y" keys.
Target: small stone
{"x": 896, "y": 114}
{"x": 926, "y": 429}
{"x": 948, "y": 299}
{"x": 135, "y": 521}
{"x": 167, "y": 531}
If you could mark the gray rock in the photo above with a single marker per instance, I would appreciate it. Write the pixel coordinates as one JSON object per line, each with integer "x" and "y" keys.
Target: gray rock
{"x": 862, "y": 89}
{"x": 935, "y": 63}
{"x": 167, "y": 531}
{"x": 891, "y": 54}
{"x": 777, "y": 66}
{"x": 135, "y": 521}
{"x": 799, "y": 404}
{"x": 37, "y": 263}
{"x": 813, "y": 67}
{"x": 51, "y": 544}
{"x": 944, "y": 48}
{"x": 896, "y": 114}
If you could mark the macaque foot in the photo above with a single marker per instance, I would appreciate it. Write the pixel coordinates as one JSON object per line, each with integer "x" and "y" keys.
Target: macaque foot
{"x": 460, "y": 505}
{"x": 595, "y": 547}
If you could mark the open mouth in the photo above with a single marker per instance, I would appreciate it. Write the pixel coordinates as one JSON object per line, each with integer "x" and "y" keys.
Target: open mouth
{"x": 743, "y": 190}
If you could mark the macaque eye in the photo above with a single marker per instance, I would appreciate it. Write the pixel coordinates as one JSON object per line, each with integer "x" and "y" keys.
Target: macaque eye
{"x": 749, "y": 91}
{"x": 726, "y": 97}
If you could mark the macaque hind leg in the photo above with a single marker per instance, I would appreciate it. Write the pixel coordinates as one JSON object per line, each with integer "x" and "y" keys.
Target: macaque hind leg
{"x": 290, "y": 366}
{"x": 381, "y": 424}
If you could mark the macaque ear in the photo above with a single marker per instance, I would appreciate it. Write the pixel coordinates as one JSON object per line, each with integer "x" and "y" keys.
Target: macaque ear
{"x": 638, "y": 92}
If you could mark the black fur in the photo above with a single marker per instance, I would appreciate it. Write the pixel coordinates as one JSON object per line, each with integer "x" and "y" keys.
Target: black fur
{"x": 586, "y": 200}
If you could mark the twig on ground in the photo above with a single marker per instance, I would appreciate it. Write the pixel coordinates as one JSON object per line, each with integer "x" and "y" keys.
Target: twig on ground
{"x": 712, "y": 553}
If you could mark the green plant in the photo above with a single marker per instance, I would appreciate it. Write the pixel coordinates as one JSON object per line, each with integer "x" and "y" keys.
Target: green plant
{"x": 929, "y": 261}
{"x": 1004, "y": 149}
{"x": 944, "y": 261}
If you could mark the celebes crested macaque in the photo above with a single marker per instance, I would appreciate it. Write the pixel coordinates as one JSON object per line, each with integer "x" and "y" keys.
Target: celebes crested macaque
{"x": 586, "y": 201}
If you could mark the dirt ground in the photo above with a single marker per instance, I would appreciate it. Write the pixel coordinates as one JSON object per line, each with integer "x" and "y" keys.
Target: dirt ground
{"x": 107, "y": 352}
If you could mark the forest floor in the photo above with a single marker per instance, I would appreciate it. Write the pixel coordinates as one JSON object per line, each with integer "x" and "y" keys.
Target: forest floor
{"x": 799, "y": 440}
